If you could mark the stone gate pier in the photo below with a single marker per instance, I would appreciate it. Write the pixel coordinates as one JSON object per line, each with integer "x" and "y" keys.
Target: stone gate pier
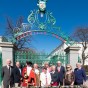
{"x": 72, "y": 54}
{"x": 6, "y": 51}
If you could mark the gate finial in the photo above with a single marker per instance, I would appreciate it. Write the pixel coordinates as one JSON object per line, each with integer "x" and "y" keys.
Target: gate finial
{"x": 42, "y": 6}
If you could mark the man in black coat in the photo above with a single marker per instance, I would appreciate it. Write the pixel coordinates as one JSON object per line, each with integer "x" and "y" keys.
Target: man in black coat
{"x": 61, "y": 72}
{"x": 17, "y": 74}
{"x": 7, "y": 74}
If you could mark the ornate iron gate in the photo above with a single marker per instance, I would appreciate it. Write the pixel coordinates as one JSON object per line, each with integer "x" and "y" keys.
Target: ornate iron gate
{"x": 23, "y": 56}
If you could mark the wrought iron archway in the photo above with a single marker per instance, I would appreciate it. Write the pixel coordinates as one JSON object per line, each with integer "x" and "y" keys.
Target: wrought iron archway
{"x": 44, "y": 22}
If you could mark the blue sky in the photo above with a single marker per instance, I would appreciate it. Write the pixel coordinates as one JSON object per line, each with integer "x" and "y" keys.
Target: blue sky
{"x": 69, "y": 14}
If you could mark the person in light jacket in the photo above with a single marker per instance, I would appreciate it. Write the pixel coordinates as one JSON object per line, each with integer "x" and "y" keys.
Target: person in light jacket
{"x": 45, "y": 78}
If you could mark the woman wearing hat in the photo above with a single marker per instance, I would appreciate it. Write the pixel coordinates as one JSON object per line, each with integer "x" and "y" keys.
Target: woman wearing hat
{"x": 69, "y": 76}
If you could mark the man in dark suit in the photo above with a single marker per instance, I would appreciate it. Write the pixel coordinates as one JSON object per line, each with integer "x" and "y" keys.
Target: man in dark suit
{"x": 7, "y": 74}
{"x": 17, "y": 74}
{"x": 61, "y": 72}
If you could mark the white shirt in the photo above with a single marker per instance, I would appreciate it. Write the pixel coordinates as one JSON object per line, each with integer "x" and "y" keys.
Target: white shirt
{"x": 19, "y": 70}
{"x": 53, "y": 72}
{"x": 43, "y": 78}
{"x": 28, "y": 70}
{"x": 8, "y": 66}
{"x": 58, "y": 68}
{"x": 36, "y": 71}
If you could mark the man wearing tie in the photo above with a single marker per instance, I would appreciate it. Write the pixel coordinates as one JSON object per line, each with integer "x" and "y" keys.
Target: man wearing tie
{"x": 61, "y": 72}
{"x": 17, "y": 74}
{"x": 7, "y": 74}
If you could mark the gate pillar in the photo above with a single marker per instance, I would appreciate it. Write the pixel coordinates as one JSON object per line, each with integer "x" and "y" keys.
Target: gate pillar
{"x": 6, "y": 49}
{"x": 72, "y": 54}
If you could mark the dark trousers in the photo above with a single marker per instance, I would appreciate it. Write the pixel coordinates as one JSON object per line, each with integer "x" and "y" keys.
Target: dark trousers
{"x": 78, "y": 83}
{"x": 7, "y": 86}
{"x": 60, "y": 83}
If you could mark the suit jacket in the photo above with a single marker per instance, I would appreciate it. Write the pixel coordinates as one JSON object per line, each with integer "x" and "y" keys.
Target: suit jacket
{"x": 80, "y": 75}
{"x": 7, "y": 77}
{"x": 61, "y": 73}
{"x": 17, "y": 75}
{"x": 54, "y": 76}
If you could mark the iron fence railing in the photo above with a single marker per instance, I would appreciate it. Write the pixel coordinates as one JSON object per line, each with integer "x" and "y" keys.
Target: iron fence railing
{"x": 23, "y": 56}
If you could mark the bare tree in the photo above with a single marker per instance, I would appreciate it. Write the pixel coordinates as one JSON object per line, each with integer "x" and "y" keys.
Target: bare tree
{"x": 11, "y": 30}
{"x": 81, "y": 35}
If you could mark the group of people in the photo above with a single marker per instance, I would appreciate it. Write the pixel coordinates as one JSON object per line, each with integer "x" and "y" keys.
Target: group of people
{"x": 31, "y": 75}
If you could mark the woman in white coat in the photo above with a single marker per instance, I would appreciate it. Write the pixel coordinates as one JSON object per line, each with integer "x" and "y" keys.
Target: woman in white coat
{"x": 45, "y": 78}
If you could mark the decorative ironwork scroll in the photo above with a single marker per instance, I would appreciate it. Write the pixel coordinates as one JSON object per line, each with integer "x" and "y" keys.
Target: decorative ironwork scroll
{"x": 41, "y": 21}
